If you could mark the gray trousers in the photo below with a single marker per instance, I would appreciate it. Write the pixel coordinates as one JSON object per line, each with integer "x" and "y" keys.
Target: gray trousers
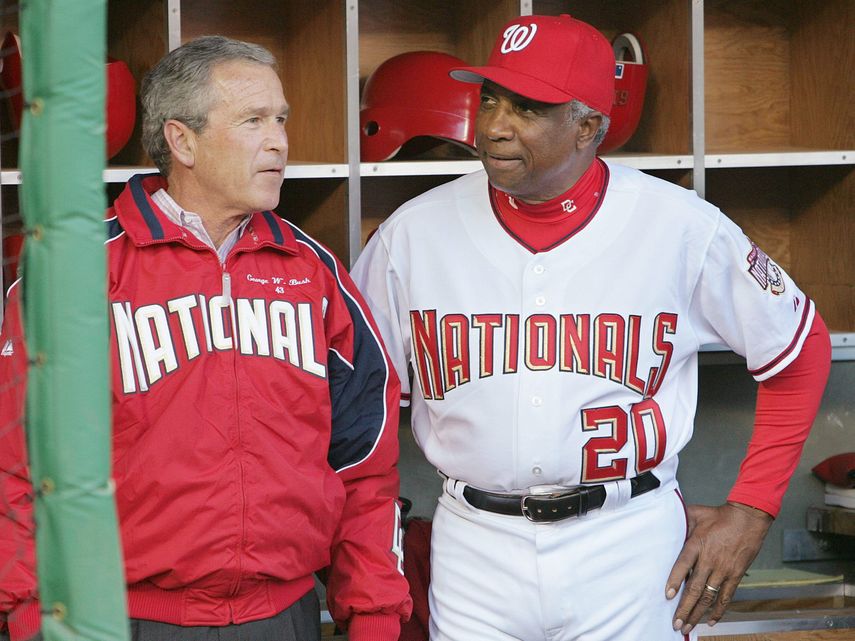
{"x": 4, "y": 636}
{"x": 300, "y": 622}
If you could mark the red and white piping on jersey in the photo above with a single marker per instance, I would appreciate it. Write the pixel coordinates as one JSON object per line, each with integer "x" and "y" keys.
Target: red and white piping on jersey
{"x": 792, "y": 350}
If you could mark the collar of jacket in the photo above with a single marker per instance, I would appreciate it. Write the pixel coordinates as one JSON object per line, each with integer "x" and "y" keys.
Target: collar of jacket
{"x": 145, "y": 224}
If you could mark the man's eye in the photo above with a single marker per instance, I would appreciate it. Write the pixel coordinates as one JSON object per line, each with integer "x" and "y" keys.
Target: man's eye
{"x": 281, "y": 119}
{"x": 254, "y": 120}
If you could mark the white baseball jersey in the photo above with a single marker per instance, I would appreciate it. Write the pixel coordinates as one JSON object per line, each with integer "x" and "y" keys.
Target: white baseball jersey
{"x": 578, "y": 364}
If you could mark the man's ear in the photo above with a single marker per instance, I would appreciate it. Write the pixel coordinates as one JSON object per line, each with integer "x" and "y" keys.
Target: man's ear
{"x": 588, "y": 129}
{"x": 182, "y": 142}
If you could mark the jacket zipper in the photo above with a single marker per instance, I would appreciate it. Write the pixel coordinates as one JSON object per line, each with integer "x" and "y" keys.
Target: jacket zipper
{"x": 227, "y": 295}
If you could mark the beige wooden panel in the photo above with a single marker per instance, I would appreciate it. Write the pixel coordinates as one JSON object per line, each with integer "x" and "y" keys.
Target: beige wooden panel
{"x": 383, "y": 194}
{"x": 477, "y": 25}
{"x": 318, "y": 206}
{"x": 822, "y": 241}
{"x": 264, "y": 23}
{"x": 307, "y": 38}
{"x": 759, "y": 201}
{"x": 462, "y": 28}
{"x": 747, "y": 69}
{"x": 391, "y": 27}
{"x": 663, "y": 28}
{"x": 315, "y": 81}
{"x": 823, "y": 82}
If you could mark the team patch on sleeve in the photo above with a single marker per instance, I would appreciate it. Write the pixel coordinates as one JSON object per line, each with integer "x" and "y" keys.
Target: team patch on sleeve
{"x": 765, "y": 271}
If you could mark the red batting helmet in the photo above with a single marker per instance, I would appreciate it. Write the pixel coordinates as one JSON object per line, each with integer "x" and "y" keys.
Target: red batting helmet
{"x": 121, "y": 106}
{"x": 630, "y": 85}
{"x": 120, "y": 99}
{"x": 412, "y": 95}
{"x": 10, "y": 75}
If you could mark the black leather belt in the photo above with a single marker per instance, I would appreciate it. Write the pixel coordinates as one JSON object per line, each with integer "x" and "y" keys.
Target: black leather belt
{"x": 546, "y": 508}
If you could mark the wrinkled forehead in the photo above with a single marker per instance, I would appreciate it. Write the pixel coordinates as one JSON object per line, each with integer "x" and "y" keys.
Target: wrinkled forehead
{"x": 240, "y": 84}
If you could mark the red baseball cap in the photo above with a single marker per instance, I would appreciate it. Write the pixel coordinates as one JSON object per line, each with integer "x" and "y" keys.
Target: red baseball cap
{"x": 552, "y": 59}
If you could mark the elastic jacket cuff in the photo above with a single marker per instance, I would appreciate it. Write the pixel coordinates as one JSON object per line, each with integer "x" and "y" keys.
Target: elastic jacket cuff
{"x": 374, "y": 627}
{"x": 24, "y": 621}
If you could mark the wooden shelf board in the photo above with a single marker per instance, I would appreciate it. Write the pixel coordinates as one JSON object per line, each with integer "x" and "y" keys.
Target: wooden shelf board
{"x": 294, "y": 170}
{"x": 652, "y": 161}
{"x": 780, "y": 158}
{"x": 297, "y": 169}
{"x": 419, "y": 168}
{"x": 842, "y": 349}
{"x": 301, "y": 169}
{"x": 460, "y": 167}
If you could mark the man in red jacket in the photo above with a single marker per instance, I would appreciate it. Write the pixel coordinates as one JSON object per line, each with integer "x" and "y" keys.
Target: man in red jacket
{"x": 19, "y": 612}
{"x": 254, "y": 407}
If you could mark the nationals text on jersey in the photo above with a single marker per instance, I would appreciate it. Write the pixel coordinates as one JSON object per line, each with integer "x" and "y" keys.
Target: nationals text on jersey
{"x": 605, "y": 345}
{"x": 149, "y": 337}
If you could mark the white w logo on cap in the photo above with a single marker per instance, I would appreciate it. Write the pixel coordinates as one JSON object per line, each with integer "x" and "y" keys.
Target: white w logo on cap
{"x": 518, "y": 37}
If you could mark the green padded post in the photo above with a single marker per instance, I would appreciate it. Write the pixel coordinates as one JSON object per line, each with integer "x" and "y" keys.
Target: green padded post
{"x": 79, "y": 559}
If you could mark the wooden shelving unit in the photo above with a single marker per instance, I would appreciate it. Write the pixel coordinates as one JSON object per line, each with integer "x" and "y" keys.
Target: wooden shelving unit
{"x": 748, "y": 103}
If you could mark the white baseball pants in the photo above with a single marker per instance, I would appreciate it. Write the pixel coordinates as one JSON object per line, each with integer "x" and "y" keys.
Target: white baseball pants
{"x": 600, "y": 577}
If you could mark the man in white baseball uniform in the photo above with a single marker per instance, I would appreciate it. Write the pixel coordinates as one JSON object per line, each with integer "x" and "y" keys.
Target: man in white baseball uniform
{"x": 550, "y": 310}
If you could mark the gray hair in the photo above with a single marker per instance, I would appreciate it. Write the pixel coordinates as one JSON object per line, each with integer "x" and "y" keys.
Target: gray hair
{"x": 579, "y": 111}
{"x": 179, "y": 88}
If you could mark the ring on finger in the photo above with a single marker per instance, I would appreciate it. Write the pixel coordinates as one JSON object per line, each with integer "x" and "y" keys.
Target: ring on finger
{"x": 711, "y": 588}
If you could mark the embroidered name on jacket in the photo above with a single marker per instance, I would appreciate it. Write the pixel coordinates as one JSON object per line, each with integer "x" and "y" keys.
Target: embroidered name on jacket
{"x": 152, "y": 339}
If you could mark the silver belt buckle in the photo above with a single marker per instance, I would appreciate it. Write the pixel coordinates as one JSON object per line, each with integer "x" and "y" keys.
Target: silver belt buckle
{"x": 525, "y": 511}
{"x": 578, "y": 494}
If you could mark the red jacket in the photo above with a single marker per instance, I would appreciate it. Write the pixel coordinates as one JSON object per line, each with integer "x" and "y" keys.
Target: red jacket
{"x": 19, "y": 612}
{"x": 253, "y": 444}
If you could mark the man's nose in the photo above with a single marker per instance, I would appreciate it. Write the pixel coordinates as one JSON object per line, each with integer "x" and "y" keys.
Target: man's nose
{"x": 497, "y": 122}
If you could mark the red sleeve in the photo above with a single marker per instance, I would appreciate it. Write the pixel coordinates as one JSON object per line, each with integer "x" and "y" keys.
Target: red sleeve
{"x": 787, "y": 404}
{"x": 367, "y": 591}
{"x": 18, "y": 603}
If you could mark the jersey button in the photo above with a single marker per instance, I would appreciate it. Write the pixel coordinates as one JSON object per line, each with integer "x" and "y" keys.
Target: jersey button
{"x": 536, "y": 401}
{"x": 540, "y": 301}
{"x": 538, "y": 269}
{"x": 536, "y": 470}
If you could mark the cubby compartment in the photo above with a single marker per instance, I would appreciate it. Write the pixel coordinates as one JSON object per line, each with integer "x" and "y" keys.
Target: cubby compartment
{"x": 9, "y": 131}
{"x": 12, "y": 238}
{"x": 462, "y": 28}
{"x": 382, "y": 195}
{"x": 318, "y": 206}
{"x": 801, "y": 217}
{"x": 778, "y": 75}
{"x": 681, "y": 177}
{"x": 663, "y": 29}
{"x": 136, "y": 35}
{"x": 308, "y": 39}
